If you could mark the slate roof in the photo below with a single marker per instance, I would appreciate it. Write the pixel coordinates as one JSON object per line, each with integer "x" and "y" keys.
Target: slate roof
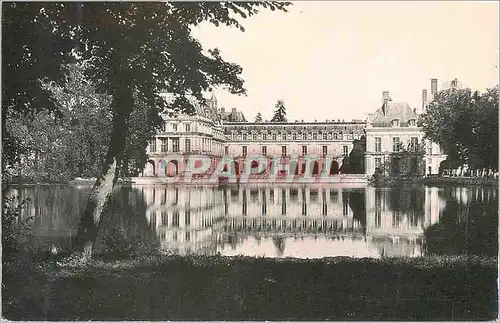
{"x": 393, "y": 110}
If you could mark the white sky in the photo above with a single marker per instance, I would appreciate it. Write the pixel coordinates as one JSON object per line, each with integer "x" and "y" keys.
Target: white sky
{"x": 332, "y": 60}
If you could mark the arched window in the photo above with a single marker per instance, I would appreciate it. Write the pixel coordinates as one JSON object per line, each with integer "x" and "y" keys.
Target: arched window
{"x": 395, "y": 122}
{"x": 412, "y": 123}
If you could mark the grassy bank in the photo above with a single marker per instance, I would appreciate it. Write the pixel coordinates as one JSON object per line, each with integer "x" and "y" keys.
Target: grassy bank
{"x": 221, "y": 288}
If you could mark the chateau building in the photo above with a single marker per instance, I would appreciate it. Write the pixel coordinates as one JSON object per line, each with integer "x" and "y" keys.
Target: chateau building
{"x": 390, "y": 132}
{"x": 393, "y": 138}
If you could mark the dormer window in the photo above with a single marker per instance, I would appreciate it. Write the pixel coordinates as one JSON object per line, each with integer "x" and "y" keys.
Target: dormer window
{"x": 395, "y": 122}
{"x": 412, "y": 123}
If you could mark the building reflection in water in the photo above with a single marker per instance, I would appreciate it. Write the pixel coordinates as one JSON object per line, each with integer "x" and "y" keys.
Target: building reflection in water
{"x": 295, "y": 221}
{"x": 282, "y": 221}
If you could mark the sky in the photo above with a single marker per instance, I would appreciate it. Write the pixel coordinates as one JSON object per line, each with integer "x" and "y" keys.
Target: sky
{"x": 332, "y": 60}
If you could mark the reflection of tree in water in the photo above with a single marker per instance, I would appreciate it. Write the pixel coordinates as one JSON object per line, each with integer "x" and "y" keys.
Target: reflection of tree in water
{"x": 465, "y": 229}
{"x": 279, "y": 243}
{"x": 125, "y": 229}
{"x": 258, "y": 238}
{"x": 409, "y": 202}
{"x": 357, "y": 204}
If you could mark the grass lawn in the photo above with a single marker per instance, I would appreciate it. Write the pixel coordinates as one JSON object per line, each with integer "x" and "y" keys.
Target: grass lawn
{"x": 222, "y": 288}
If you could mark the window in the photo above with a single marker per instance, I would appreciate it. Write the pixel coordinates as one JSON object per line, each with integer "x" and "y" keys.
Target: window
{"x": 412, "y": 123}
{"x": 350, "y": 136}
{"x": 395, "y": 123}
{"x": 304, "y": 150}
{"x": 174, "y": 127}
{"x": 283, "y": 150}
{"x": 233, "y": 136}
{"x": 378, "y": 144}
{"x": 188, "y": 127}
{"x": 335, "y": 136}
{"x": 226, "y": 150}
{"x": 244, "y": 136}
{"x": 254, "y": 137}
{"x": 325, "y": 136}
{"x": 345, "y": 150}
{"x": 175, "y": 145}
{"x": 325, "y": 150}
{"x": 329, "y": 136}
{"x": 294, "y": 136}
{"x": 283, "y": 136}
{"x": 264, "y": 150}
{"x": 395, "y": 144}
{"x": 152, "y": 145}
{"x": 175, "y": 219}
{"x": 264, "y": 136}
{"x": 188, "y": 144}
{"x": 244, "y": 151}
{"x": 274, "y": 136}
{"x": 378, "y": 162}
{"x": 187, "y": 218}
{"x": 413, "y": 143}
{"x": 164, "y": 126}
{"x": 315, "y": 136}
{"x": 164, "y": 145}
{"x": 304, "y": 136}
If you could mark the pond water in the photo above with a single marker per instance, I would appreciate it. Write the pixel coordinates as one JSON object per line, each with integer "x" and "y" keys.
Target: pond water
{"x": 274, "y": 221}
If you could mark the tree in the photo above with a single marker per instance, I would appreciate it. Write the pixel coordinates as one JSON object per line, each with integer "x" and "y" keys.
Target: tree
{"x": 150, "y": 49}
{"x": 355, "y": 162}
{"x": 465, "y": 124}
{"x": 35, "y": 48}
{"x": 279, "y": 112}
{"x": 73, "y": 142}
{"x": 132, "y": 52}
{"x": 258, "y": 117}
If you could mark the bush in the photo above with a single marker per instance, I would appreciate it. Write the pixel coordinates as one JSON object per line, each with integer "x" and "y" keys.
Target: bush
{"x": 12, "y": 228}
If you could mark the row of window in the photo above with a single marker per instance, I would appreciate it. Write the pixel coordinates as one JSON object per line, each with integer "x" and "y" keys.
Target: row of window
{"x": 187, "y": 128}
{"x": 324, "y": 149}
{"x": 295, "y": 136}
{"x": 396, "y": 144}
{"x": 411, "y": 123}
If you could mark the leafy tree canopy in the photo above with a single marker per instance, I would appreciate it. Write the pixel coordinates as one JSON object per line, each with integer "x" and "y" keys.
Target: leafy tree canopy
{"x": 465, "y": 124}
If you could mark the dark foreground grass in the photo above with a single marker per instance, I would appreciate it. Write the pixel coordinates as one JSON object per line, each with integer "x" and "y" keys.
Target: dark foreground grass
{"x": 220, "y": 288}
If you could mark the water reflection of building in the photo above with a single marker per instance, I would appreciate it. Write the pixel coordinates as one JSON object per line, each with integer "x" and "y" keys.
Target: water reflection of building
{"x": 396, "y": 219}
{"x": 185, "y": 218}
{"x": 201, "y": 220}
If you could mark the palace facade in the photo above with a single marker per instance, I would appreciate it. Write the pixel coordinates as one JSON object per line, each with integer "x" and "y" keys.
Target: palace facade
{"x": 389, "y": 132}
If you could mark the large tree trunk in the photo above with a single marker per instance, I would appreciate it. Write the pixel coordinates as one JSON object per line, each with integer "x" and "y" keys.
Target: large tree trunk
{"x": 87, "y": 230}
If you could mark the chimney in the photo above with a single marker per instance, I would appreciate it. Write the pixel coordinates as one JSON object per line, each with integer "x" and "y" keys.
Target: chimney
{"x": 424, "y": 99}
{"x": 434, "y": 86}
{"x": 386, "y": 98}
{"x": 454, "y": 83}
{"x": 233, "y": 110}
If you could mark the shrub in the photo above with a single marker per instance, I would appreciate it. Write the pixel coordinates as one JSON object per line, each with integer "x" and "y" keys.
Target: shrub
{"x": 12, "y": 228}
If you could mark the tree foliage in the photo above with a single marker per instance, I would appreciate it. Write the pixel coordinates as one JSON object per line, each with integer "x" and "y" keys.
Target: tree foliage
{"x": 258, "y": 117}
{"x": 279, "y": 112}
{"x": 132, "y": 51}
{"x": 35, "y": 46}
{"x": 465, "y": 124}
